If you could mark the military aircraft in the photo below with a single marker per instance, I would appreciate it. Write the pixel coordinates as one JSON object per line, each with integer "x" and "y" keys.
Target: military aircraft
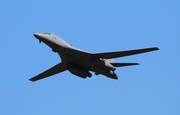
{"x": 80, "y": 62}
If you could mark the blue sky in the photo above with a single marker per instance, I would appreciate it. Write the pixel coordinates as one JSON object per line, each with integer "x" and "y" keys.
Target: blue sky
{"x": 152, "y": 88}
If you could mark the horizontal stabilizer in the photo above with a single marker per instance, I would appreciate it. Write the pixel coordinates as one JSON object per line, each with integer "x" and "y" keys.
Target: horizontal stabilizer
{"x": 123, "y": 64}
{"x": 108, "y": 55}
{"x": 54, "y": 70}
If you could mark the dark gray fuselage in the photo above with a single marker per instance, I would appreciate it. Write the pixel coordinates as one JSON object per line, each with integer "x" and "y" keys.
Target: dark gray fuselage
{"x": 78, "y": 62}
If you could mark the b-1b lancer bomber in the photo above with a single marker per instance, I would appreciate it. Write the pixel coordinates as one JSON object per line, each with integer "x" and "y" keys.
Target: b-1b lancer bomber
{"x": 80, "y": 62}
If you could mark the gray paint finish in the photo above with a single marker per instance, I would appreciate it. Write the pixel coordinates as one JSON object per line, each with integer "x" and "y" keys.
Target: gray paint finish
{"x": 80, "y": 62}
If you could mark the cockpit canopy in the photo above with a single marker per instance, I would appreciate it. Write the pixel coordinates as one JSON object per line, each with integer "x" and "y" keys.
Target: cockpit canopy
{"x": 47, "y": 33}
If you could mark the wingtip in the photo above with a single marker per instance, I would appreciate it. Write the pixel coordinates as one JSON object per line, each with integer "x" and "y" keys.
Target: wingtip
{"x": 134, "y": 64}
{"x": 31, "y": 80}
{"x": 156, "y": 48}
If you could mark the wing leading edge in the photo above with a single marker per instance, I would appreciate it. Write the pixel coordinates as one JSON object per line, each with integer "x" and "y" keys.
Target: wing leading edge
{"x": 108, "y": 55}
{"x": 52, "y": 71}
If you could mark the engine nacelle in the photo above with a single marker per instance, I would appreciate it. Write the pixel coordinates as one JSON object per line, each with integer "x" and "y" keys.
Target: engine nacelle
{"x": 78, "y": 71}
{"x": 101, "y": 63}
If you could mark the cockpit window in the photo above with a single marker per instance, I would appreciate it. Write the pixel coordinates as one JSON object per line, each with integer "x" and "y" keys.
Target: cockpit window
{"x": 47, "y": 33}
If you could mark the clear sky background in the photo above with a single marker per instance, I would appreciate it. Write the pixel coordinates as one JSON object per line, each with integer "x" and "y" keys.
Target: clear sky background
{"x": 152, "y": 88}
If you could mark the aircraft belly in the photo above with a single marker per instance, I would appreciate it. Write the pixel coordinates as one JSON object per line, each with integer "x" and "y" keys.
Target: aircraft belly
{"x": 85, "y": 64}
{"x": 78, "y": 70}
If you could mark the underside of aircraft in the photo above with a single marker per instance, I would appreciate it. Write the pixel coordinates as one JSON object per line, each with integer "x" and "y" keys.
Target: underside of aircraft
{"x": 80, "y": 62}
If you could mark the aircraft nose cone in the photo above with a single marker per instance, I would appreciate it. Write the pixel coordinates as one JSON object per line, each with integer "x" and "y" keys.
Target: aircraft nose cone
{"x": 37, "y": 35}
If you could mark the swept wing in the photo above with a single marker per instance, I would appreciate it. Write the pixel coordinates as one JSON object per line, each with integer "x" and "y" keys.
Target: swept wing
{"x": 108, "y": 55}
{"x": 54, "y": 70}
